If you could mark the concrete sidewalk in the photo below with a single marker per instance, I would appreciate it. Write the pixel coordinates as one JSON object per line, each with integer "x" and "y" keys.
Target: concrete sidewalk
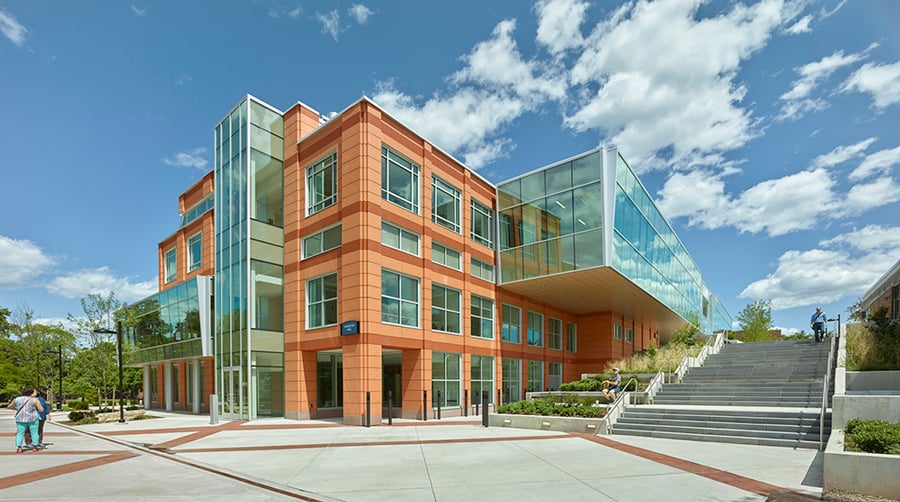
{"x": 184, "y": 457}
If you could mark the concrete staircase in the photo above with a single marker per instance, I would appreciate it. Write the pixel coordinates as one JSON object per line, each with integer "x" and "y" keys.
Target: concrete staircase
{"x": 753, "y": 393}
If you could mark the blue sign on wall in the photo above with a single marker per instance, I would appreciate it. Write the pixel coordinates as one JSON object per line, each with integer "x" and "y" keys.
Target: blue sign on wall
{"x": 349, "y": 328}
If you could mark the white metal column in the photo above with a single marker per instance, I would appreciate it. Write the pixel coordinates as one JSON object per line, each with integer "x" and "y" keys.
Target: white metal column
{"x": 167, "y": 384}
{"x": 147, "y": 397}
{"x": 195, "y": 377}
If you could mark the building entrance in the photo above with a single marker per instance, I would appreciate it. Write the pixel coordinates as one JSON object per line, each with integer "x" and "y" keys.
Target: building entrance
{"x": 232, "y": 404}
{"x": 391, "y": 373}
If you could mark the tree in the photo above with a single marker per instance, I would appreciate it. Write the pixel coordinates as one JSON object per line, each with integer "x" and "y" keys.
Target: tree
{"x": 756, "y": 321}
{"x": 857, "y": 313}
{"x": 99, "y": 364}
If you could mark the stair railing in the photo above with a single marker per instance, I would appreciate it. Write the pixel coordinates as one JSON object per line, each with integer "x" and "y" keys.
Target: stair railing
{"x": 616, "y": 407}
{"x": 825, "y": 387}
{"x": 655, "y": 385}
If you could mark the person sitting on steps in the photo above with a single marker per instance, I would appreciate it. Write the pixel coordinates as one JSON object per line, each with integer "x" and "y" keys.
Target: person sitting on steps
{"x": 613, "y": 385}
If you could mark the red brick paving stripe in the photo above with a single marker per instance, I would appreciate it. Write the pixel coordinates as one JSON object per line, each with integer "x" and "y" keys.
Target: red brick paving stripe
{"x": 52, "y": 472}
{"x": 200, "y": 434}
{"x": 366, "y": 443}
{"x": 728, "y": 478}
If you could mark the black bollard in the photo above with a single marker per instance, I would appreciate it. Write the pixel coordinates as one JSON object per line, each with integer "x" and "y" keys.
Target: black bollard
{"x": 439, "y": 405}
{"x": 465, "y": 402}
{"x": 425, "y": 405}
{"x": 484, "y": 408}
{"x": 390, "y": 407}
{"x": 497, "y": 404}
{"x": 368, "y": 408}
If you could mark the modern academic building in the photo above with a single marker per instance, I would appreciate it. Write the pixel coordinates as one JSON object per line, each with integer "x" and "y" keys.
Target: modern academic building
{"x": 327, "y": 267}
{"x": 884, "y": 293}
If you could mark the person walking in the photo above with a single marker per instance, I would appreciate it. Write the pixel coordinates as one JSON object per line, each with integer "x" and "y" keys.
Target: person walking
{"x": 28, "y": 409}
{"x": 44, "y": 417}
{"x": 817, "y": 323}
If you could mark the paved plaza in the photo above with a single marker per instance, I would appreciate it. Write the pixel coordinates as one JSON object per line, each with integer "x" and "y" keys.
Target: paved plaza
{"x": 183, "y": 457}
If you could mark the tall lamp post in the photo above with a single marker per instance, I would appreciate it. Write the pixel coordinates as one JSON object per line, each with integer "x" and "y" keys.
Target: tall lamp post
{"x": 59, "y": 399}
{"x": 118, "y": 333}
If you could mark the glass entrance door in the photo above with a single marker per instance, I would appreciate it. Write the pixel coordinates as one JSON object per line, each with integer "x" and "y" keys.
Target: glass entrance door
{"x": 232, "y": 405}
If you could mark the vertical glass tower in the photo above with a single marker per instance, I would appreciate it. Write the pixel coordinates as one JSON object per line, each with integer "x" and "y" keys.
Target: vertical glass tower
{"x": 249, "y": 280}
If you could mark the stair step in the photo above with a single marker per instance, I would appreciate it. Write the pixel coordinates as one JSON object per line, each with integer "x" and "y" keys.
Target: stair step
{"x": 723, "y": 439}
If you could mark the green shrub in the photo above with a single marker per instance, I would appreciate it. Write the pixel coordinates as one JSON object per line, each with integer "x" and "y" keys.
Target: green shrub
{"x": 87, "y": 420}
{"x": 75, "y": 416}
{"x": 132, "y": 408}
{"x": 78, "y": 405}
{"x": 571, "y": 406}
{"x": 872, "y": 436}
{"x": 596, "y": 384}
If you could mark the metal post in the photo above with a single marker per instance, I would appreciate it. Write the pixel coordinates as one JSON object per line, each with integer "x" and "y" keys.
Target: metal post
{"x": 465, "y": 402}
{"x": 390, "y": 407}
{"x": 60, "y": 398}
{"x": 425, "y": 405}
{"x": 368, "y": 408}
{"x": 121, "y": 377}
{"x": 438, "y": 405}
{"x": 476, "y": 407}
{"x": 484, "y": 408}
{"x": 497, "y": 404}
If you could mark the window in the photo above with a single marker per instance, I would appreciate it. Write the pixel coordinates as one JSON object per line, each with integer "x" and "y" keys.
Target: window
{"x": 482, "y": 378}
{"x": 482, "y": 317}
{"x": 482, "y": 224}
{"x": 399, "y": 180}
{"x": 511, "y": 324}
{"x": 554, "y": 375}
{"x": 535, "y": 376}
{"x": 535, "y": 329}
{"x": 399, "y": 299}
{"x": 398, "y": 238}
{"x": 445, "y": 256}
{"x": 617, "y": 331}
{"x": 195, "y": 252}
{"x": 512, "y": 380}
{"x": 571, "y": 337}
{"x": 554, "y": 334}
{"x": 171, "y": 265}
{"x": 445, "y": 205}
{"x": 629, "y": 335}
{"x": 482, "y": 270}
{"x": 322, "y": 301}
{"x": 321, "y": 184}
{"x": 445, "y": 309}
{"x": 445, "y": 378}
{"x": 319, "y": 242}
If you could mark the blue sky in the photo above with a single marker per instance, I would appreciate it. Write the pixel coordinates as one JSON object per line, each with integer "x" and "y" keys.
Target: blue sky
{"x": 767, "y": 131}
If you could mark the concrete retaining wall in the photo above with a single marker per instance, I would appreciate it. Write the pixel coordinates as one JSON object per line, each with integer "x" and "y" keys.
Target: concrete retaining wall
{"x": 873, "y": 380}
{"x": 849, "y": 472}
{"x": 535, "y": 422}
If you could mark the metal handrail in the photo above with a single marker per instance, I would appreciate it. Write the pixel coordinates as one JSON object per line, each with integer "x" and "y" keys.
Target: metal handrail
{"x": 825, "y": 386}
{"x": 614, "y": 408}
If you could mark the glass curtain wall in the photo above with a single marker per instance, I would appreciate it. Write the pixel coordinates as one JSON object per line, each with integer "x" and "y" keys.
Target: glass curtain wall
{"x": 550, "y": 220}
{"x": 249, "y": 261}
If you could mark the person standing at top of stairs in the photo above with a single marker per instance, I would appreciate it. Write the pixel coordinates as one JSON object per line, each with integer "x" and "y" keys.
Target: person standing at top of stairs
{"x": 817, "y": 323}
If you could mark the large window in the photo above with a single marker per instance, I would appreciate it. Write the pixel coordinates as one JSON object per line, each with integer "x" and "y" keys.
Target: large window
{"x": 445, "y": 378}
{"x": 482, "y": 317}
{"x": 399, "y": 180}
{"x": 446, "y": 309}
{"x": 554, "y": 334}
{"x": 399, "y": 299}
{"x": 482, "y": 378}
{"x": 535, "y": 376}
{"x": 512, "y": 380}
{"x": 445, "y": 205}
{"x": 195, "y": 252}
{"x": 629, "y": 335}
{"x": 482, "y": 270}
{"x": 571, "y": 337}
{"x": 321, "y": 184}
{"x": 319, "y": 242}
{"x": 446, "y": 256}
{"x": 322, "y": 301}
{"x": 535, "y": 329}
{"x": 482, "y": 224}
{"x": 617, "y": 331}
{"x": 399, "y": 238}
{"x": 171, "y": 265}
{"x": 511, "y": 327}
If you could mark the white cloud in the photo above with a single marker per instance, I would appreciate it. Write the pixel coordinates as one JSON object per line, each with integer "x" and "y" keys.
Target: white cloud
{"x": 818, "y": 276}
{"x": 331, "y": 23}
{"x": 801, "y": 26}
{"x": 875, "y": 238}
{"x": 867, "y": 196}
{"x": 21, "y": 261}
{"x": 559, "y": 23}
{"x": 881, "y": 81}
{"x": 842, "y": 154}
{"x": 797, "y": 101}
{"x": 192, "y": 158}
{"x": 879, "y": 162}
{"x": 826, "y": 13}
{"x": 184, "y": 79}
{"x": 360, "y": 13}
{"x": 100, "y": 280}
{"x": 295, "y": 12}
{"x": 12, "y": 29}
{"x": 138, "y": 11}
{"x": 652, "y": 80}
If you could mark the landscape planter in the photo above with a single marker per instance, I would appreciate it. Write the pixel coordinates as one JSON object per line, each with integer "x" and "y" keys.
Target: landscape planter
{"x": 850, "y": 472}
{"x": 547, "y": 423}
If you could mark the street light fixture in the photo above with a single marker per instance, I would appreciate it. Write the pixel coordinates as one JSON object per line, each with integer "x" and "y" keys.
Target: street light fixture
{"x": 59, "y": 399}
{"x": 118, "y": 333}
